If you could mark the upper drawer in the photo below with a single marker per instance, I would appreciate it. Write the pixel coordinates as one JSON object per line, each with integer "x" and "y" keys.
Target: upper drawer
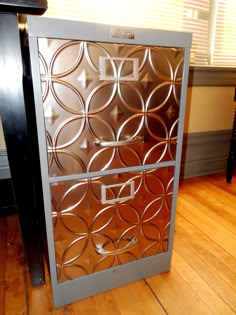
{"x": 109, "y": 105}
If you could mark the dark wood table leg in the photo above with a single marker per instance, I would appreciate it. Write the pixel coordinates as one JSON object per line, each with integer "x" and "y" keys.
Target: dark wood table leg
{"x": 18, "y": 124}
{"x": 231, "y": 162}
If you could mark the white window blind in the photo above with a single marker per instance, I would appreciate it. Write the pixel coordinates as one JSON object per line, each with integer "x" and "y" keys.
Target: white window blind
{"x": 212, "y": 22}
{"x": 196, "y": 18}
{"x": 225, "y": 34}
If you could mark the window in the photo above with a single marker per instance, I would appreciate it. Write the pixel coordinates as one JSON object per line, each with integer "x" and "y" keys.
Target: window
{"x": 212, "y": 22}
{"x": 225, "y": 34}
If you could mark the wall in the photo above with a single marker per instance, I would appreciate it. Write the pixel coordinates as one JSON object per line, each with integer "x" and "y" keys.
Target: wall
{"x": 208, "y": 129}
{"x": 2, "y": 142}
{"x": 4, "y": 167}
{"x": 209, "y": 108}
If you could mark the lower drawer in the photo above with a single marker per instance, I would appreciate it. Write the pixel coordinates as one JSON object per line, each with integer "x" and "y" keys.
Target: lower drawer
{"x": 110, "y": 220}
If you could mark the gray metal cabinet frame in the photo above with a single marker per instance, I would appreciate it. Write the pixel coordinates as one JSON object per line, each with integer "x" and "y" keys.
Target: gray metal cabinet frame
{"x": 69, "y": 291}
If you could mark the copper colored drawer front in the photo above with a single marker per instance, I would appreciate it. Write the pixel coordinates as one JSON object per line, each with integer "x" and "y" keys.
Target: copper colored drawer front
{"x": 109, "y": 105}
{"x": 94, "y": 232}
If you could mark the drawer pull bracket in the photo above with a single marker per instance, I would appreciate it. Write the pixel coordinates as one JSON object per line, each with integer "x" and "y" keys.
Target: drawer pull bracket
{"x": 117, "y": 192}
{"x": 100, "y": 250}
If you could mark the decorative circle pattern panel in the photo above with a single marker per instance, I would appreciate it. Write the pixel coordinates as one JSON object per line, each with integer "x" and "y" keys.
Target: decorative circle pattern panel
{"x": 91, "y": 236}
{"x": 108, "y": 105}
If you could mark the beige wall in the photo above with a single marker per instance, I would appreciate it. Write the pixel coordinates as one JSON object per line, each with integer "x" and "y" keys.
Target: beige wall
{"x": 2, "y": 142}
{"x": 208, "y": 109}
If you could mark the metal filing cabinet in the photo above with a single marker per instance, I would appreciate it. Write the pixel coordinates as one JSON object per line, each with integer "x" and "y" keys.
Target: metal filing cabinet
{"x": 110, "y": 105}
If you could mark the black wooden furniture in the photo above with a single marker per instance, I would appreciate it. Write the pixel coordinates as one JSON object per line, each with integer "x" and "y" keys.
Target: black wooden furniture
{"x": 18, "y": 122}
{"x": 231, "y": 163}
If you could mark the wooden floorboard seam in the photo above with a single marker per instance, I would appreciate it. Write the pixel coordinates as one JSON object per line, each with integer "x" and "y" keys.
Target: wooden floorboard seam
{"x": 155, "y": 296}
{"x": 26, "y": 287}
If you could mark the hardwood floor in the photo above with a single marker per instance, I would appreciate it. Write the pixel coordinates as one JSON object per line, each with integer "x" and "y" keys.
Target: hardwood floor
{"x": 202, "y": 279}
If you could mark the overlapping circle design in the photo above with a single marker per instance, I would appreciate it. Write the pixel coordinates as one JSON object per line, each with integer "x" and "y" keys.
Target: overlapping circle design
{"x": 94, "y": 124}
{"x": 90, "y": 237}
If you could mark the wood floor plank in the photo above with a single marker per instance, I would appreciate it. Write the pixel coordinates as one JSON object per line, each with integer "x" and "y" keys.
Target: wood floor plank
{"x": 104, "y": 303}
{"x": 205, "y": 271}
{"x": 214, "y": 230}
{"x": 220, "y": 212}
{"x": 39, "y": 299}
{"x": 222, "y": 192}
{"x": 84, "y": 307}
{"x": 214, "y": 202}
{"x": 66, "y": 310}
{"x": 2, "y": 261}
{"x": 136, "y": 298}
{"x": 219, "y": 181}
{"x": 145, "y": 299}
{"x": 201, "y": 287}
{"x": 15, "y": 290}
{"x": 219, "y": 259}
{"x": 126, "y": 301}
{"x": 176, "y": 296}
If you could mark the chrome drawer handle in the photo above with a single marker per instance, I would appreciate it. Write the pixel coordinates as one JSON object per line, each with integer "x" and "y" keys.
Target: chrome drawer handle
{"x": 100, "y": 250}
{"x": 104, "y": 143}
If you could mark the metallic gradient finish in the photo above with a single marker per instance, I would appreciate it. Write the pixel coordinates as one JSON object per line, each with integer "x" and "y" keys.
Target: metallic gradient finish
{"x": 91, "y": 236}
{"x": 109, "y": 106}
